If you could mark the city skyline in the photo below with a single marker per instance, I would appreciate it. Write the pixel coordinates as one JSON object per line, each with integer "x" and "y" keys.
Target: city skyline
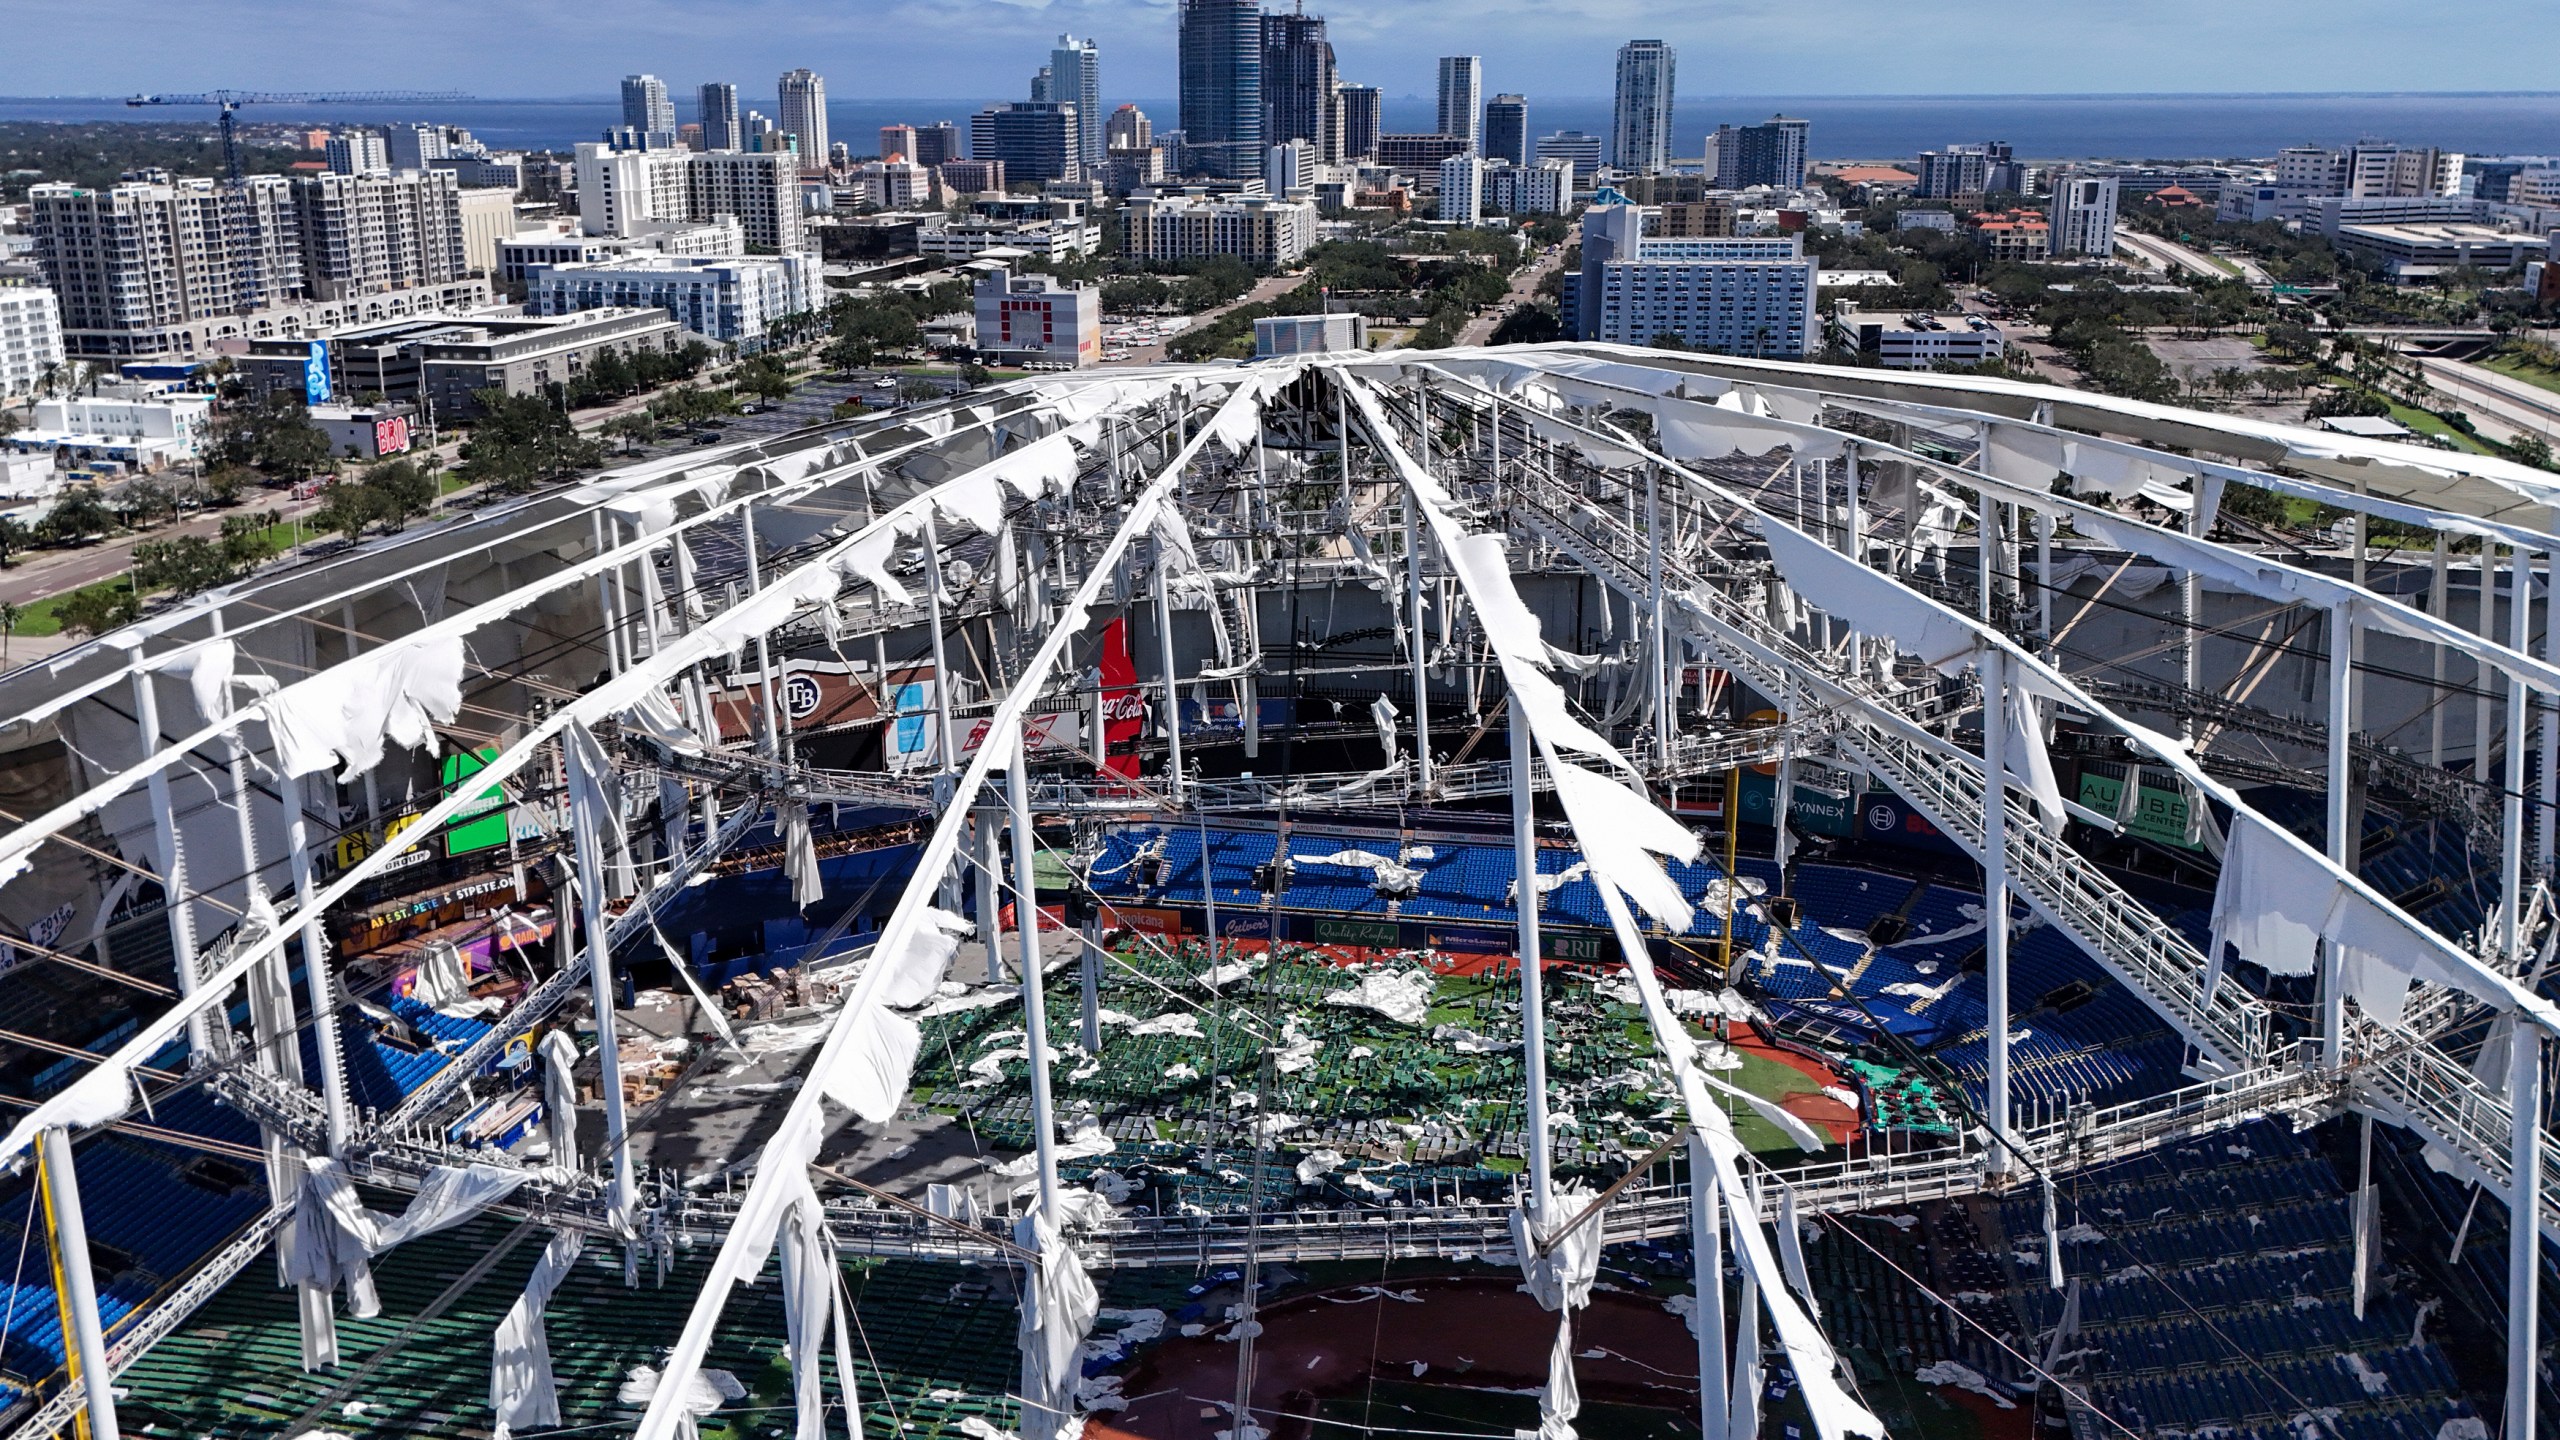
{"x": 1564, "y": 48}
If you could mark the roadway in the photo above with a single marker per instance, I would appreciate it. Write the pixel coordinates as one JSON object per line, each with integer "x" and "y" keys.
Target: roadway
{"x": 1524, "y": 290}
{"x": 2502, "y": 406}
{"x": 1270, "y": 288}
{"x": 2171, "y": 257}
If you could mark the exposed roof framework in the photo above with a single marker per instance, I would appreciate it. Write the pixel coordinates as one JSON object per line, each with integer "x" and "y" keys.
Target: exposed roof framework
{"x": 572, "y": 634}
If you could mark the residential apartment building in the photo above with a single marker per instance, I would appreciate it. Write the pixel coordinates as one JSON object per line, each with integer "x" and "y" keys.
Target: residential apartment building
{"x": 1129, "y": 129}
{"x": 646, "y": 110}
{"x": 1258, "y": 229}
{"x": 1693, "y": 219}
{"x": 519, "y": 255}
{"x": 973, "y": 177}
{"x": 937, "y": 145}
{"x": 30, "y": 339}
{"x": 1462, "y": 98}
{"x": 634, "y": 192}
{"x": 731, "y": 300}
{"x": 1545, "y": 188}
{"x": 1075, "y": 78}
{"x": 372, "y": 234}
{"x": 1220, "y": 59}
{"x": 2083, "y": 216}
{"x": 1037, "y": 319}
{"x": 1772, "y": 154}
{"x": 358, "y": 152}
{"x": 1959, "y": 172}
{"x": 1750, "y": 296}
{"x": 803, "y": 113}
{"x": 1462, "y": 189}
{"x": 2019, "y": 236}
{"x": 1641, "y": 136}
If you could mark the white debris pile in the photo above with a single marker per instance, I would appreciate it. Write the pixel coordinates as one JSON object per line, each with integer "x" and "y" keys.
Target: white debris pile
{"x": 1219, "y": 977}
{"x": 1296, "y": 1051}
{"x": 1179, "y": 1022}
{"x": 1468, "y": 1042}
{"x": 1317, "y": 1164}
{"x": 1962, "y": 1377}
{"x": 1403, "y": 996}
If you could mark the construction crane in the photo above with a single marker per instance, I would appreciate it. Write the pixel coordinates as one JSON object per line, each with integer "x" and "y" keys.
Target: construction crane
{"x": 231, "y": 100}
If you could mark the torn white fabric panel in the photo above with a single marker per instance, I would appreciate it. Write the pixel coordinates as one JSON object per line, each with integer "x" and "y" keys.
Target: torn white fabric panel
{"x": 207, "y": 669}
{"x": 867, "y": 561}
{"x": 2270, "y": 901}
{"x": 2029, "y": 762}
{"x": 800, "y": 856}
{"x": 1560, "y": 1400}
{"x": 1059, "y": 1305}
{"x": 870, "y": 1075}
{"x": 1561, "y": 1278}
{"x": 1816, "y": 1364}
{"x": 1686, "y": 430}
{"x": 595, "y": 797}
{"x": 448, "y": 1196}
{"x": 560, "y": 1096}
{"x": 399, "y": 692}
{"x": 655, "y": 716}
{"x": 914, "y": 969}
{"x": 1382, "y": 713}
{"x": 1791, "y": 1248}
{"x": 1869, "y": 603}
{"x": 522, "y": 1390}
{"x": 1621, "y": 832}
{"x": 2025, "y": 457}
{"x": 808, "y": 1302}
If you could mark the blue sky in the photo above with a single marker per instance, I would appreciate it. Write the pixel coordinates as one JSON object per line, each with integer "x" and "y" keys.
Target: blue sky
{"x": 976, "y": 48}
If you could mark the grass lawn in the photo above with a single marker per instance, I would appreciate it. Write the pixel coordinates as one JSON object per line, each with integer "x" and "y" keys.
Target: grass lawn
{"x": 2516, "y": 369}
{"x": 2426, "y": 424}
{"x": 40, "y": 617}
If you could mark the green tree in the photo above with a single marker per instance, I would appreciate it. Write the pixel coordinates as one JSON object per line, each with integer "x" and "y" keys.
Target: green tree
{"x": 183, "y": 563}
{"x": 77, "y": 514}
{"x": 973, "y": 375}
{"x": 523, "y": 441}
{"x": 10, "y": 613}
{"x": 2531, "y": 450}
{"x": 14, "y": 537}
{"x": 98, "y": 609}
{"x": 401, "y": 490}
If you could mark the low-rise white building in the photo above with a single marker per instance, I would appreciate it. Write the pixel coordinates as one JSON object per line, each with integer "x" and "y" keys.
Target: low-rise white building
{"x": 967, "y": 239}
{"x": 30, "y": 339}
{"x": 1462, "y": 189}
{"x": 139, "y": 432}
{"x": 733, "y": 300}
{"x": 1545, "y": 188}
{"x": 2418, "y": 251}
{"x": 519, "y": 255}
{"x": 1037, "y": 320}
{"x": 1918, "y": 342}
{"x": 1309, "y": 334}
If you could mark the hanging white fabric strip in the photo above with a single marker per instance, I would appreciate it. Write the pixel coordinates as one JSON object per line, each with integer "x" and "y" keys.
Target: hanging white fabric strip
{"x": 522, "y": 1390}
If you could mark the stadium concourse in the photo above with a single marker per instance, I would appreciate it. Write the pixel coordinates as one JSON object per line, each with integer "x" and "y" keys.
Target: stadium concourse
{"x": 1542, "y": 889}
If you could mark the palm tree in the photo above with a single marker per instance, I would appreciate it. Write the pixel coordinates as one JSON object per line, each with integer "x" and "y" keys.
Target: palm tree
{"x": 10, "y": 610}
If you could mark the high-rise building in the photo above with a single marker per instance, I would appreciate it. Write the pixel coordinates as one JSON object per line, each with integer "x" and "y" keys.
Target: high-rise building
{"x": 2083, "y": 217}
{"x": 1462, "y": 98}
{"x": 1040, "y": 85}
{"x": 720, "y": 128}
{"x": 1955, "y": 172}
{"x": 1221, "y": 94}
{"x": 937, "y": 144}
{"x": 804, "y": 114}
{"x": 1361, "y": 110}
{"x": 1744, "y": 296}
{"x": 646, "y": 110}
{"x": 1641, "y": 138}
{"x": 1128, "y": 129}
{"x": 1773, "y": 154}
{"x": 30, "y": 338}
{"x": 897, "y": 142}
{"x": 373, "y": 234}
{"x": 1036, "y": 139}
{"x": 1506, "y": 129}
{"x": 358, "y": 152}
{"x": 1583, "y": 150}
{"x": 1412, "y": 153}
{"x": 639, "y": 192}
{"x": 144, "y": 258}
{"x": 414, "y": 147}
{"x": 1075, "y": 77}
{"x": 1290, "y": 165}
{"x": 1298, "y": 81}
{"x": 1462, "y": 189}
